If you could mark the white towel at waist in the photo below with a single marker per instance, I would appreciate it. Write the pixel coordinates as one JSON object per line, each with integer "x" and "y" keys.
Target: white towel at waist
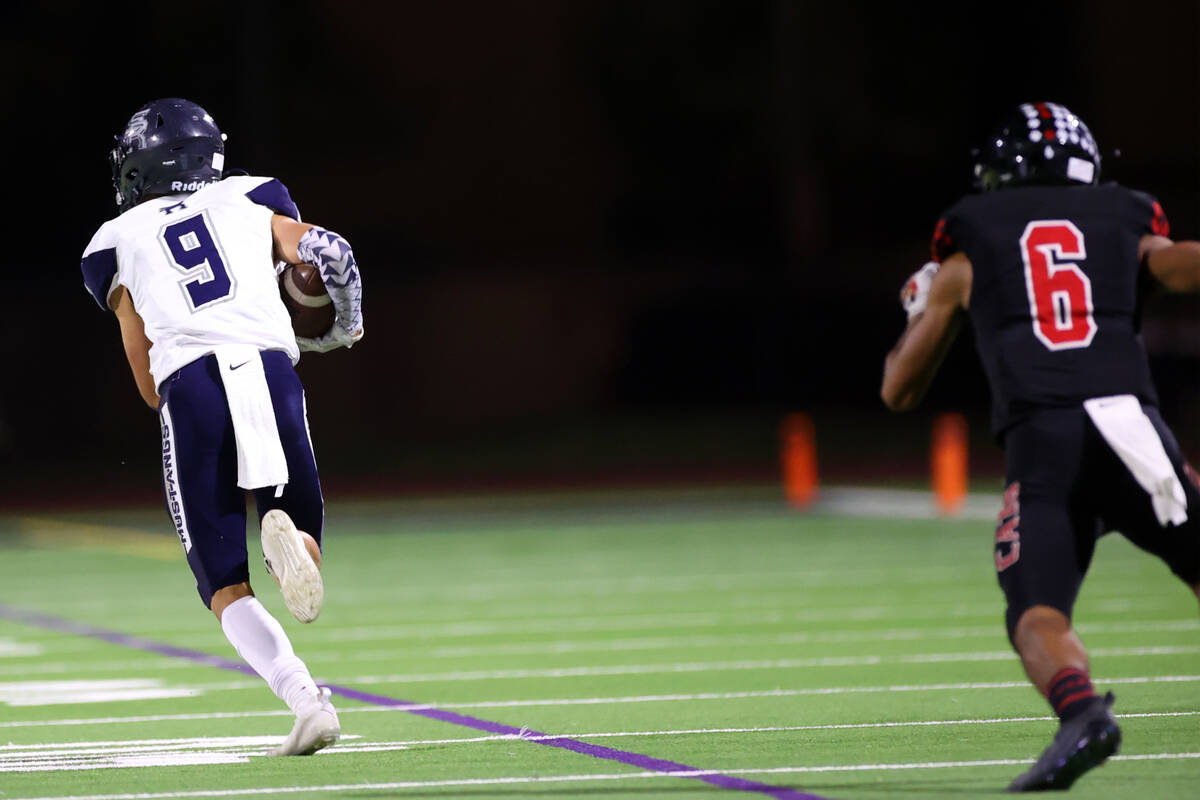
{"x": 261, "y": 461}
{"x": 1132, "y": 437}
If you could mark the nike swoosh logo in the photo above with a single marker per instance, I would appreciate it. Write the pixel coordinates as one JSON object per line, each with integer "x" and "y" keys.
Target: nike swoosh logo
{"x": 232, "y": 367}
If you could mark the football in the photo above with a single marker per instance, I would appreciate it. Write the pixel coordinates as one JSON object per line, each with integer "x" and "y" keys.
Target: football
{"x": 307, "y": 302}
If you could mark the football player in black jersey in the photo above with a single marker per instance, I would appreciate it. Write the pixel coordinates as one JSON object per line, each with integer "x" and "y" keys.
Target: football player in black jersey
{"x": 1049, "y": 265}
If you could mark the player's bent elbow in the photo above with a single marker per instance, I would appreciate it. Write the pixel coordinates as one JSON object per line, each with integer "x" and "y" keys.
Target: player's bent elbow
{"x": 897, "y": 394}
{"x": 896, "y": 400}
{"x": 898, "y": 405}
{"x": 1176, "y": 266}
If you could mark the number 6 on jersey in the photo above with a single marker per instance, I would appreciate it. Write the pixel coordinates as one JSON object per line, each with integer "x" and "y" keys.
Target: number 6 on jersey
{"x": 1060, "y": 294}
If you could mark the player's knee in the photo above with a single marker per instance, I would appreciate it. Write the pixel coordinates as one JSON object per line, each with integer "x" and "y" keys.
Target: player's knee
{"x": 226, "y": 596}
{"x": 1031, "y": 618}
{"x": 1035, "y": 622}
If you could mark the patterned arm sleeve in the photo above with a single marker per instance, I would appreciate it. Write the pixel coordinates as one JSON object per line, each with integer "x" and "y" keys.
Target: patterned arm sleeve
{"x": 332, "y": 255}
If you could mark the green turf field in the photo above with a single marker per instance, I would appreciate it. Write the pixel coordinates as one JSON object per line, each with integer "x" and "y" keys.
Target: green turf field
{"x": 838, "y": 655}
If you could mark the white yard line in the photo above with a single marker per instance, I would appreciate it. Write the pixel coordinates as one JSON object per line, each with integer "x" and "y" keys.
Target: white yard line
{"x": 634, "y": 622}
{"x": 160, "y": 718}
{"x": 634, "y": 644}
{"x": 146, "y": 753}
{"x": 736, "y": 640}
{"x": 574, "y": 624}
{"x": 151, "y": 663}
{"x": 45, "y": 693}
{"x": 998, "y": 762}
{"x": 133, "y": 745}
{"x": 11, "y": 648}
{"x": 629, "y": 644}
{"x": 596, "y": 701}
{"x": 666, "y": 583}
{"x": 7, "y": 750}
{"x": 599, "y": 777}
{"x": 700, "y": 667}
{"x": 862, "y": 501}
{"x": 141, "y": 753}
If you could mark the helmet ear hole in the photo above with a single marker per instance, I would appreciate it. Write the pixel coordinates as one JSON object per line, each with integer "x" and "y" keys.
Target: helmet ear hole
{"x": 986, "y": 180}
{"x": 159, "y": 124}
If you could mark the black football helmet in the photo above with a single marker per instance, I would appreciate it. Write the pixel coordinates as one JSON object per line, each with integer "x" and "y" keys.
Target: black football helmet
{"x": 1037, "y": 143}
{"x": 169, "y": 145}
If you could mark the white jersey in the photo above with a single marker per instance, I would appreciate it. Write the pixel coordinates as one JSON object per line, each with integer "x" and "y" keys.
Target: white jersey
{"x": 199, "y": 269}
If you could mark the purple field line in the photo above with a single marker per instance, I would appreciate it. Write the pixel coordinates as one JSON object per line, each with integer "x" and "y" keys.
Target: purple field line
{"x": 50, "y": 622}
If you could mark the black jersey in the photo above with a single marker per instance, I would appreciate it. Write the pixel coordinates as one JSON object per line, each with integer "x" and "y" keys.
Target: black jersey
{"x": 1055, "y": 298}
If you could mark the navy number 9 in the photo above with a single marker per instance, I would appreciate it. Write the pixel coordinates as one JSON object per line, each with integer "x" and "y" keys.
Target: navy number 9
{"x": 195, "y": 253}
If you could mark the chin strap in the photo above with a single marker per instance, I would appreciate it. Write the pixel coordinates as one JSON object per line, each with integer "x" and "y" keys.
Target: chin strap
{"x": 331, "y": 254}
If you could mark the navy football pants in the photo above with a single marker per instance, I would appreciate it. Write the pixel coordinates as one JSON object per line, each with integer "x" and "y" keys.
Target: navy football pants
{"x": 1066, "y": 488}
{"x": 200, "y": 469}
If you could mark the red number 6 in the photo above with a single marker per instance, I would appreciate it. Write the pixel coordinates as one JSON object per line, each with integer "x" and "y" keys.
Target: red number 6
{"x": 1060, "y": 294}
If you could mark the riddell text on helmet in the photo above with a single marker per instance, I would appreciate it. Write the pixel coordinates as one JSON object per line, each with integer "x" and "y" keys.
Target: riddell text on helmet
{"x": 190, "y": 186}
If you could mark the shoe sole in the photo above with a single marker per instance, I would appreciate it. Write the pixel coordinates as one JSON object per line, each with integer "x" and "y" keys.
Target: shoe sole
{"x": 299, "y": 579}
{"x": 324, "y": 738}
{"x": 1092, "y": 753}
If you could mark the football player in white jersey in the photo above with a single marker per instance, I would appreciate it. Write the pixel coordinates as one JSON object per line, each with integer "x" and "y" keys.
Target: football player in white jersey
{"x": 190, "y": 268}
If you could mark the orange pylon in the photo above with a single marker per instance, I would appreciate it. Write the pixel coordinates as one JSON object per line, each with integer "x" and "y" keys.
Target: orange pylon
{"x": 948, "y": 462}
{"x": 798, "y": 459}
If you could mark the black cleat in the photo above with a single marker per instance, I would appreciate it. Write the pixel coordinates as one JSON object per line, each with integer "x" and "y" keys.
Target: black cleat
{"x": 1081, "y": 743}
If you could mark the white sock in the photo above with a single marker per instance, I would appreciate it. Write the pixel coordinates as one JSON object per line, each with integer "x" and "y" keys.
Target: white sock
{"x": 259, "y": 639}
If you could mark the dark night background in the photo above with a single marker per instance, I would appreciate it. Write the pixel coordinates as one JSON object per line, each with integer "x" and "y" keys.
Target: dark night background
{"x": 600, "y": 239}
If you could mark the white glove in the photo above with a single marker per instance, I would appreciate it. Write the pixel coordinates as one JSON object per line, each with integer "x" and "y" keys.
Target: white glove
{"x": 335, "y": 337}
{"x": 915, "y": 292}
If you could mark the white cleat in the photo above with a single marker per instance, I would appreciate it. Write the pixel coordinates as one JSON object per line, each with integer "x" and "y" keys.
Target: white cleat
{"x": 287, "y": 559}
{"x": 315, "y": 729}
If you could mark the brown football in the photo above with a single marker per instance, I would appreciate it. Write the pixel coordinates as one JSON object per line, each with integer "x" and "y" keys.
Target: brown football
{"x": 304, "y": 295}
